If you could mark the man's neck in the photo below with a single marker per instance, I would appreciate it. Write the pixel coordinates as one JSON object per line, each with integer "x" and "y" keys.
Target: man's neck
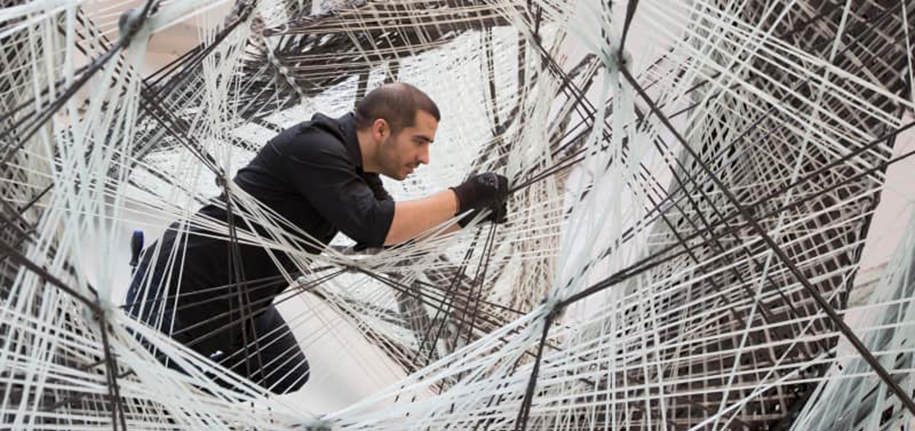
{"x": 368, "y": 150}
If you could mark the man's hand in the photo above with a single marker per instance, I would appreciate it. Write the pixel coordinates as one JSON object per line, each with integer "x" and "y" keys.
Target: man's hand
{"x": 486, "y": 190}
{"x": 412, "y": 218}
{"x": 498, "y": 215}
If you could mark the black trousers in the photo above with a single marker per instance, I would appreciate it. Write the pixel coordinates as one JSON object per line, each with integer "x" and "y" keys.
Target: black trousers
{"x": 234, "y": 324}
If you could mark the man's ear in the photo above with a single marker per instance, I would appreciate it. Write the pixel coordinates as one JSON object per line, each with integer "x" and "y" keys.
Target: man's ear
{"x": 380, "y": 129}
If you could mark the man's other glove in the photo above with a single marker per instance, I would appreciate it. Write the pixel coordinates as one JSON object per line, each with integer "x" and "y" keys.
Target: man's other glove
{"x": 486, "y": 190}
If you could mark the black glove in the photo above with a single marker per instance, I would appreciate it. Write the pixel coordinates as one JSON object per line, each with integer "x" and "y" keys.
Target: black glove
{"x": 498, "y": 215}
{"x": 486, "y": 190}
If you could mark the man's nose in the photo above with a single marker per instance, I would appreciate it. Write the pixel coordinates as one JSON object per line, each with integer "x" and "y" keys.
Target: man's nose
{"x": 424, "y": 156}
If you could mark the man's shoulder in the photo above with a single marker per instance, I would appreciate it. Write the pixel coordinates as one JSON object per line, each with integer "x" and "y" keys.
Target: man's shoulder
{"x": 315, "y": 137}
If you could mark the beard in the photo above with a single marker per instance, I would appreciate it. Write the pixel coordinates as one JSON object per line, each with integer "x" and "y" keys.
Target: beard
{"x": 391, "y": 164}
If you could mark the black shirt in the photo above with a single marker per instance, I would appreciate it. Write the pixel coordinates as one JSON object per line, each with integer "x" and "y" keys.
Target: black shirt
{"x": 312, "y": 175}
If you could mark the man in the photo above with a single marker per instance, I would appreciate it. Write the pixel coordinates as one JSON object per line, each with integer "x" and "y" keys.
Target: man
{"x": 323, "y": 176}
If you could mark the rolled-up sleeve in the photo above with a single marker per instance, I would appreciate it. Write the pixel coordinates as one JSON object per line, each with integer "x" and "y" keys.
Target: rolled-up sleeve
{"x": 321, "y": 172}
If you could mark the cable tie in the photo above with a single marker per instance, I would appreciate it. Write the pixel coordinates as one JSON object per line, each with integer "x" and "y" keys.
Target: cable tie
{"x": 129, "y": 22}
{"x": 615, "y": 57}
{"x": 553, "y": 304}
{"x": 316, "y": 425}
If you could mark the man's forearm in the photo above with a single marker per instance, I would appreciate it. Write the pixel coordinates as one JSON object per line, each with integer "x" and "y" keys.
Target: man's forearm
{"x": 411, "y": 218}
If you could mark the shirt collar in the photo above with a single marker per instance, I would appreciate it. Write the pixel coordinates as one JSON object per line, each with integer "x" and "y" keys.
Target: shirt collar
{"x": 347, "y": 124}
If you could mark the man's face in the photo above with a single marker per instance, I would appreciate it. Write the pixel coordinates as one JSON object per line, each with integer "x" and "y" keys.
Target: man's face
{"x": 402, "y": 153}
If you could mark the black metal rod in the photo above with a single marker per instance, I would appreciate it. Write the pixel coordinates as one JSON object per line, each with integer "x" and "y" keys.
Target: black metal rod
{"x": 524, "y": 412}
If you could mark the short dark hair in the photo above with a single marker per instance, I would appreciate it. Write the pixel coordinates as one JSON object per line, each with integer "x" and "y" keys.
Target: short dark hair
{"x": 396, "y": 103}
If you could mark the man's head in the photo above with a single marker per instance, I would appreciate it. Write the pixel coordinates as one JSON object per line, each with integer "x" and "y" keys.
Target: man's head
{"x": 399, "y": 122}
